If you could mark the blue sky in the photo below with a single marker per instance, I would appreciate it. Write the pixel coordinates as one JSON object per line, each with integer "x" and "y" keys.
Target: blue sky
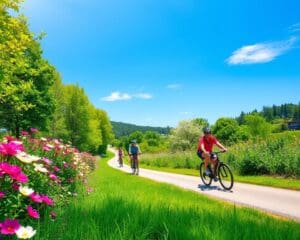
{"x": 153, "y": 62}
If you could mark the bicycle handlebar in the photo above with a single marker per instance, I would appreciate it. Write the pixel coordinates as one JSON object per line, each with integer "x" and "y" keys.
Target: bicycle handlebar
{"x": 219, "y": 152}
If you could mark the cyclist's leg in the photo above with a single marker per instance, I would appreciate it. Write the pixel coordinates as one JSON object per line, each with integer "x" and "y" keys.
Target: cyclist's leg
{"x": 206, "y": 161}
{"x": 132, "y": 163}
{"x": 137, "y": 165}
{"x": 134, "y": 158}
{"x": 214, "y": 162}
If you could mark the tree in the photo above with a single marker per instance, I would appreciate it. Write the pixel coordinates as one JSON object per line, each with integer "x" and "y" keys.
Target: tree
{"x": 137, "y": 135}
{"x": 225, "y": 129}
{"x": 105, "y": 130}
{"x": 185, "y": 136}
{"x": 77, "y": 116}
{"x": 57, "y": 123}
{"x": 153, "y": 139}
{"x": 257, "y": 125}
{"x": 201, "y": 122}
{"x": 25, "y": 77}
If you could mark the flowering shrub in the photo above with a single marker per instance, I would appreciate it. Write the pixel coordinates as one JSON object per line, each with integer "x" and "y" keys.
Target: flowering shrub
{"x": 35, "y": 175}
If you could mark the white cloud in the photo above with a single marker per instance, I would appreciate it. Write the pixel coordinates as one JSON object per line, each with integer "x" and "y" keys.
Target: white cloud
{"x": 174, "y": 86}
{"x": 295, "y": 27}
{"x": 185, "y": 113}
{"x": 261, "y": 52}
{"x": 118, "y": 96}
{"x": 143, "y": 95}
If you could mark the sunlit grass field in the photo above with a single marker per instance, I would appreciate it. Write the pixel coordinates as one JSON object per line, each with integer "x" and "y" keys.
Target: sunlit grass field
{"x": 124, "y": 206}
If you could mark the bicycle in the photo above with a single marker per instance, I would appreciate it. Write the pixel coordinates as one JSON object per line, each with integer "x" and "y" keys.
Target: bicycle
{"x": 223, "y": 172}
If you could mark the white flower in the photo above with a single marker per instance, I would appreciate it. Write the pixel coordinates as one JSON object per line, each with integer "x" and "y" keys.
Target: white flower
{"x": 25, "y": 232}
{"x": 25, "y": 158}
{"x": 49, "y": 146}
{"x": 26, "y": 191}
{"x": 56, "y": 141}
{"x": 43, "y": 139}
{"x": 40, "y": 168}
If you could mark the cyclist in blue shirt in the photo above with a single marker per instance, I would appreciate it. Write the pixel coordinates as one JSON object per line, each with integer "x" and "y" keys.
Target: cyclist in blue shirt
{"x": 134, "y": 152}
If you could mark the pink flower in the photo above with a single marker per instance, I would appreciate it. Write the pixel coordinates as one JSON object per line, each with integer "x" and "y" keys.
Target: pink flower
{"x": 46, "y": 148}
{"x": 56, "y": 169}
{"x": 47, "y": 161}
{"x": 9, "y": 226}
{"x": 9, "y": 169}
{"x": 32, "y": 212}
{"x": 53, "y": 177}
{"x": 10, "y": 138}
{"x": 53, "y": 215}
{"x": 15, "y": 186}
{"x": 36, "y": 198}
{"x": 70, "y": 180}
{"x": 10, "y": 148}
{"x": 21, "y": 178}
{"x": 47, "y": 200}
{"x": 33, "y": 130}
{"x": 14, "y": 171}
{"x": 89, "y": 190}
{"x": 24, "y": 133}
{"x": 2, "y": 194}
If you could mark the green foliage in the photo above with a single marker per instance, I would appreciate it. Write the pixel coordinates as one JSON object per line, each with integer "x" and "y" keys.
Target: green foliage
{"x": 124, "y": 129}
{"x": 77, "y": 116}
{"x": 185, "y": 136}
{"x": 25, "y": 77}
{"x": 185, "y": 159}
{"x": 257, "y": 125}
{"x": 227, "y": 130}
{"x": 201, "y": 122}
{"x": 284, "y": 111}
{"x": 57, "y": 123}
{"x": 137, "y": 135}
{"x": 278, "y": 154}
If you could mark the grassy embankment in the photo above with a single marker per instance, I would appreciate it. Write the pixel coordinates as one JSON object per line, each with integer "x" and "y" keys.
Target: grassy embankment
{"x": 124, "y": 206}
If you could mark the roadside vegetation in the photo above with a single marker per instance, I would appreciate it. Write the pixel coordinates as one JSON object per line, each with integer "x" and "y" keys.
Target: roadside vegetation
{"x": 123, "y": 206}
{"x": 261, "y": 151}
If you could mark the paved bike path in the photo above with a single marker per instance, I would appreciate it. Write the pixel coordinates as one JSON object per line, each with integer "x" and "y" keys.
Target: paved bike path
{"x": 281, "y": 202}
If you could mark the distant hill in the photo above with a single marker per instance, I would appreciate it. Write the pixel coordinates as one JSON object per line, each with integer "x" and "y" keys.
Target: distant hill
{"x": 123, "y": 129}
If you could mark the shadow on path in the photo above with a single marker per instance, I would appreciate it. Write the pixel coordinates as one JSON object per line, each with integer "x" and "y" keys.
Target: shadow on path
{"x": 203, "y": 187}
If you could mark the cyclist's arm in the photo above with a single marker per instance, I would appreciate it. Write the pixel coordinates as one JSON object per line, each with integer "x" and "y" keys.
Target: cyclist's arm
{"x": 221, "y": 146}
{"x": 139, "y": 150}
{"x": 203, "y": 149}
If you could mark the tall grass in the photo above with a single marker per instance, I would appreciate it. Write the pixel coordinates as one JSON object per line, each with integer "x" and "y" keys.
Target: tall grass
{"x": 123, "y": 206}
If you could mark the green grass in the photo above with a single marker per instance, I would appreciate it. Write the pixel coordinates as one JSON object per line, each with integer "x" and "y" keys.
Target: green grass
{"x": 124, "y": 206}
{"x": 271, "y": 181}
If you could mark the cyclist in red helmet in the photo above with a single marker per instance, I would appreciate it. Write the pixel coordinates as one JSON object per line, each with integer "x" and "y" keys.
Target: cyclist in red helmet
{"x": 205, "y": 147}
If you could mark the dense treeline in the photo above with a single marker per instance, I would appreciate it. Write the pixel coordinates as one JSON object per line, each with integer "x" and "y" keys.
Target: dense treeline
{"x": 32, "y": 94}
{"x": 286, "y": 111}
{"x": 124, "y": 129}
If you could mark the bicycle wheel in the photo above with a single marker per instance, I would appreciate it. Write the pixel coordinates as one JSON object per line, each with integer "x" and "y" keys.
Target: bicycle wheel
{"x": 225, "y": 176}
{"x": 205, "y": 179}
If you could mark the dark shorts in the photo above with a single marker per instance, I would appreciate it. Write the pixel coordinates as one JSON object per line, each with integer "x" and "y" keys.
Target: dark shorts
{"x": 199, "y": 153}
